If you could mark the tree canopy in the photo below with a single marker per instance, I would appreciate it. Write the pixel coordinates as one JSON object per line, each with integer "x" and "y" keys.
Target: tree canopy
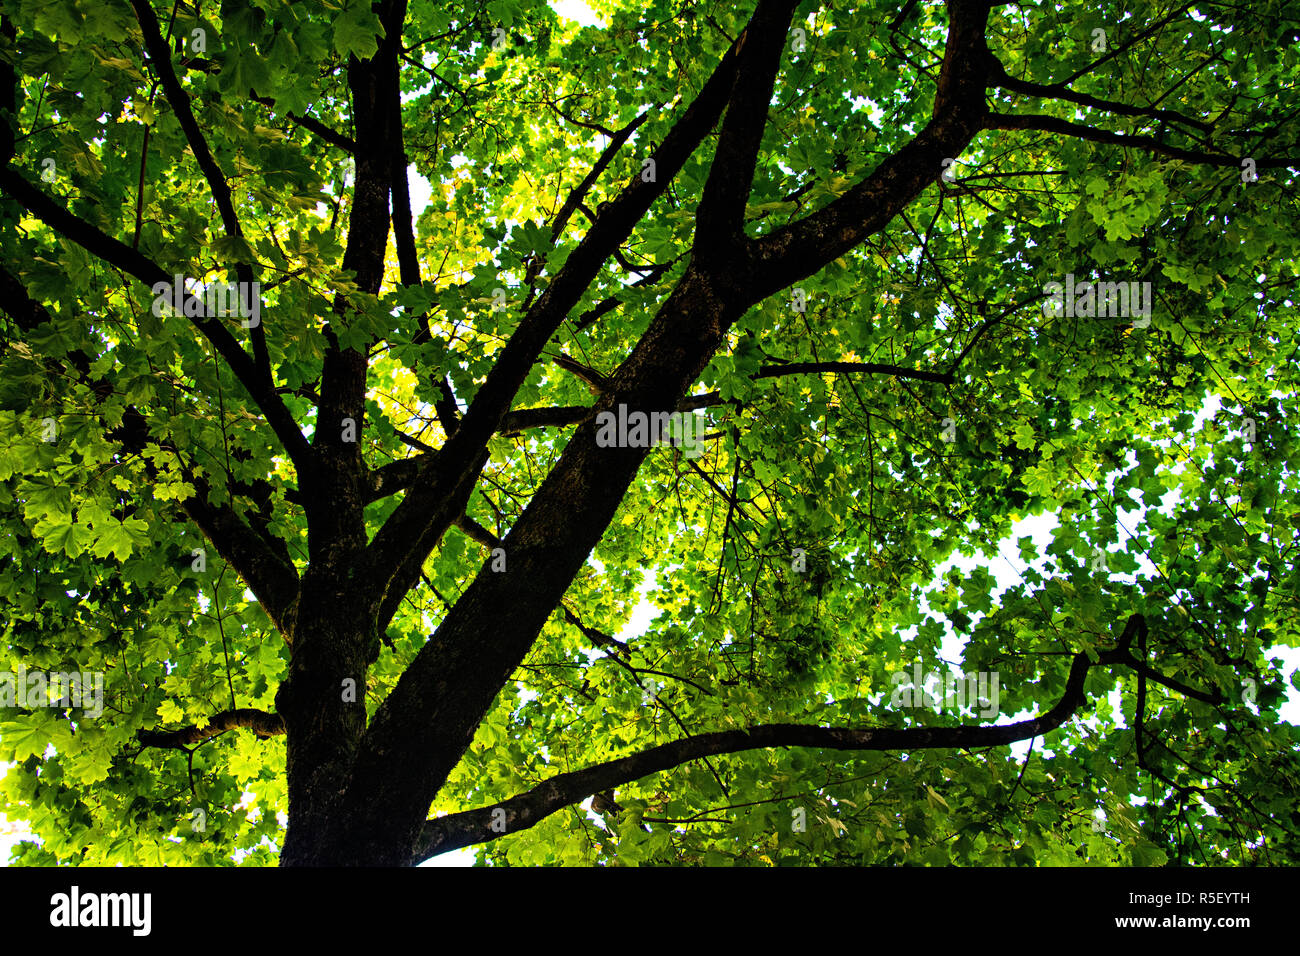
{"x": 356, "y": 545}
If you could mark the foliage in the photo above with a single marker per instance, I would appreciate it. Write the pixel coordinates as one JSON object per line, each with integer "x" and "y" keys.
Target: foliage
{"x": 1097, "y": 421}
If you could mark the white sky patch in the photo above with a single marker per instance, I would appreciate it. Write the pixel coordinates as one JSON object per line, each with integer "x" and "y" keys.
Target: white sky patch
{"x": 420, "y": 190}
{"x": 643, "y": 613}
{"x": 464, "y": 857}
{"x": 577, "y": 10}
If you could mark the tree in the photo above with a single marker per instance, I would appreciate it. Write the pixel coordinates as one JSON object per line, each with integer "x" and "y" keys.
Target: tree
{"x": 757, "y": 312}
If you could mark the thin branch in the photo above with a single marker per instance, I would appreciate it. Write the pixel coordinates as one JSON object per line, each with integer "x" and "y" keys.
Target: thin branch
{"x": 580, "y": 191}
{"x": 1050, "y": 124}
{"x": 1060, "y": 92}
{"x": 259, "y": 721}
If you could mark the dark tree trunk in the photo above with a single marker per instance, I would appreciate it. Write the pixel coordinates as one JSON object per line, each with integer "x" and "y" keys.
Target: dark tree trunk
{"x": 322, "y": 703}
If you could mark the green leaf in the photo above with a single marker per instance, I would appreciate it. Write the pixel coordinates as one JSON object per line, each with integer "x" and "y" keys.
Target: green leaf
{"x": 357, "y": 31}
{"x": 24, "y": 737}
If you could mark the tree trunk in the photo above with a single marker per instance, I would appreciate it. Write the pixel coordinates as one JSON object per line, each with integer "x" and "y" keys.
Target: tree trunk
{"x": 323, "y": 704}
